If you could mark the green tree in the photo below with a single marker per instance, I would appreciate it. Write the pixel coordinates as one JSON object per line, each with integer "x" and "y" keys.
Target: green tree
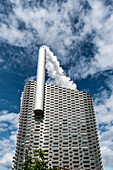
{"x": 36, "y": 163}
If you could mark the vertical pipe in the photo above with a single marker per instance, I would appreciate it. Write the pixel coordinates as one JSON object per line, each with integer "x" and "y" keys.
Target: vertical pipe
{"x": 40, "y": 82}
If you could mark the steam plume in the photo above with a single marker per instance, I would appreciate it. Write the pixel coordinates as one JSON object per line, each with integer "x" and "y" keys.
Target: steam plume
{"x": 55, "y": 72}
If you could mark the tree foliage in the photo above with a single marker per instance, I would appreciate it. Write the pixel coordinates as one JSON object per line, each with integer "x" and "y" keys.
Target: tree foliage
{"x": 36, "y": 163}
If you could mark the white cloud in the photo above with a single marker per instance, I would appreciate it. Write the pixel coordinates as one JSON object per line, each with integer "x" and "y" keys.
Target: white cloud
{"x": 99, "y": 24}
{"x": 8, "y": 120}
{"x": 3, "y": 168}
{"x": 32, "y": 78}
{"x": 48, "y": 23}
{"x": 7, "y": 159}
{"x": 3, "y": 127}
{"x": 52, "y": 25}
{"x": 104, "y": 104}
{"x": 108, "y": 168}
{"x": 104, "y": 115}
{"x": 14, "y": 36}
{"x": 7, "y": 146}
{"x": 107, "y": 156}
{"x": 1, "y": 60}
{"x": 105, "y": 111}
{"x": 101, "y": 21}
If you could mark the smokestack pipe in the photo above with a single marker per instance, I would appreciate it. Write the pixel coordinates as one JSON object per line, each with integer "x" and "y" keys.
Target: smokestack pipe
{"x": 40, "y": 82}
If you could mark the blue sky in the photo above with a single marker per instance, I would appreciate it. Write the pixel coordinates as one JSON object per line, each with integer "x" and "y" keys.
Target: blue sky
{"x": 80, "y": 34}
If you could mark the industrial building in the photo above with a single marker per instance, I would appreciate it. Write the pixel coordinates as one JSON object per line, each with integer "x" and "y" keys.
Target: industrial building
{"x": 59, "y": 120}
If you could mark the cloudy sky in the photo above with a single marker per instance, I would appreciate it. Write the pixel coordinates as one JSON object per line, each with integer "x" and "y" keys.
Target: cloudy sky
{"x": 80, "y": 34}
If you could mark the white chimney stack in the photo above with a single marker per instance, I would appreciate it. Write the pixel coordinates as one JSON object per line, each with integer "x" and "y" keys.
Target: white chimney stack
{"x": 40, "y": 82}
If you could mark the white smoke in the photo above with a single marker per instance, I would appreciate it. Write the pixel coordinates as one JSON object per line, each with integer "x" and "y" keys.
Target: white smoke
{"x": 55, "y": 72}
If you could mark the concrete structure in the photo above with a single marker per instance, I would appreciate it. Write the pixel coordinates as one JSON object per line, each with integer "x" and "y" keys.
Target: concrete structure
{"x": 66, "y": 131}
{"x": 59, "y": 120}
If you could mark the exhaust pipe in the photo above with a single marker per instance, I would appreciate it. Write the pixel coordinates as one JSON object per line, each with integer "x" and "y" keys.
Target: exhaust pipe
{"x": 40, "y": 82}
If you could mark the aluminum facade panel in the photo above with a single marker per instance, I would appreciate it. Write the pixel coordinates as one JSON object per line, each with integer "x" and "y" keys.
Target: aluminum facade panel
{"x": 67, "y": 131}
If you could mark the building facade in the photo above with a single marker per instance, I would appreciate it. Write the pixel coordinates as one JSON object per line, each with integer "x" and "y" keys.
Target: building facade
{"x": 66, "y": 131}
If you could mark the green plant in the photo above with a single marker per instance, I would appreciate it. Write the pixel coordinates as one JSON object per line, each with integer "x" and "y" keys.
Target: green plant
{"x": 34, "y": 163}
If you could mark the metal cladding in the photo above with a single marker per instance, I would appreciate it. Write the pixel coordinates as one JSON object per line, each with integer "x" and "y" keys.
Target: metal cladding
{"x": 39, "y": 98}
{"x": 67, "y": 132}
